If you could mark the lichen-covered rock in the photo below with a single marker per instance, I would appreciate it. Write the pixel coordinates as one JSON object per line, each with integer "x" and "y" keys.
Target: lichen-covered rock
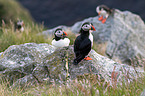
{"x": 55, "y": 63}
{"x": 123, "y": 31}
{"x": 45, "y": 63}
{"x": 103, "y": 31}
{"x": 19, "y": 60}
{"x": 105, "y": 67}
{"x": 127, "y": 37}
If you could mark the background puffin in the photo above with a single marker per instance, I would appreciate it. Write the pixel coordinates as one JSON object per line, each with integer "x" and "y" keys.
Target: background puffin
{"x": 60, "y": 39}
{"x": 19, "y": 26}
{"x": 103, "y": 12}
{"x": 83, "y": 43}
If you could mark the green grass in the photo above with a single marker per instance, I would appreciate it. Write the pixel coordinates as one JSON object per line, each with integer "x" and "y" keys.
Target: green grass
{"x": 12, "y": 10}
{"x": 87, "y": 86}
{"x": 10, "y": 37}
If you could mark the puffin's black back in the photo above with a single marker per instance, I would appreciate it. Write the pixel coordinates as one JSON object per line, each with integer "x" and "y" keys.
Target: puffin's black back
{"x": 82, "y": 45}
{"x": 106, "y": 8}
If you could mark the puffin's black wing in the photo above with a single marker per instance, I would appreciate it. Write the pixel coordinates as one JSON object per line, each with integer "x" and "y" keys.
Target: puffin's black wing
{"x": 77, "y": 44}
{"x": 85, "y": 46}
{"x": 82, "y": 47}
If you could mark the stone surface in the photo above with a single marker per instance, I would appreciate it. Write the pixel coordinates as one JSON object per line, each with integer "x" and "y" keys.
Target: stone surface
{"x": 20, "y": 60}
{"x": 123, "y": 31}
{"x": 36, "y": 63}
{"x": 127, "y": 37}
{"x": 103, "y": 31}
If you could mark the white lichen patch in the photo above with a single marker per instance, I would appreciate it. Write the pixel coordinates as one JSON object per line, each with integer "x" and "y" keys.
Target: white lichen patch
{"x": 11, "y": 62}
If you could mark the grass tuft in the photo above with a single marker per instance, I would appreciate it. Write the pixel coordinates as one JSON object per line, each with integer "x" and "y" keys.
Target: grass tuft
{"x": 10, "y": 37}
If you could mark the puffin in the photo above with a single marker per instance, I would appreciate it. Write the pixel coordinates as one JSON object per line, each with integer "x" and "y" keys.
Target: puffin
{"x": 19, "y": 26}
{"x": 103, "y": 12}
{"x": 60, "y": 38}
{"x": 83, "y": 43}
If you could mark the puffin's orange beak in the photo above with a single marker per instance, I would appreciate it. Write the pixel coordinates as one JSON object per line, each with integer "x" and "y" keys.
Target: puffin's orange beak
{"x": 64, "y": 33}
{"x": 93, "y": 28}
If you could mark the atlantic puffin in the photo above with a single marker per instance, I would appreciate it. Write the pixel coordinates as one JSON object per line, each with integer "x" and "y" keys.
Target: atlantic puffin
{"x": 19, "y": 26}
{"x": 103, "y": 12}
{"x": 60, "y": 38}
{"x": 83, "y": 43}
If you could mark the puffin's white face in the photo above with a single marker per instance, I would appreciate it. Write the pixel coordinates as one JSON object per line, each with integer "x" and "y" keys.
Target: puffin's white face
{"x": 86, "y": 27}
{"x": 101, "y": 11}
{"x": 59, "y": 33}
{"x": 20, "y": 22}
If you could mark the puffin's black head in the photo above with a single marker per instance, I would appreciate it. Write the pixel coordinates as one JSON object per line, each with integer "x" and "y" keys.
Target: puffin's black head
{"x": 86, "y": 27}
{"x": 59, "y": 34}
{"x": 103, "y": 7}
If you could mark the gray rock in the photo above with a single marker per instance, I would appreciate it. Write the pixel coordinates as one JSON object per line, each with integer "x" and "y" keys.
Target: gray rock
{"x": 20, "y": 60}
{"x": 103, "y": 31}
{"x": 55, "y": 63}
{"x": 123, "y": 31}
{"x": 36, "y": 63}
{"x": 26, "y": 81}
{"x": 127, "y": 37}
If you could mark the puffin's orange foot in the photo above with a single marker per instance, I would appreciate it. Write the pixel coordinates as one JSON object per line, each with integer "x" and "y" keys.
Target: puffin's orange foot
{"x": 88, "y": 58}
{"x": 100, "y": 18}
{"x": 104, "y": 20}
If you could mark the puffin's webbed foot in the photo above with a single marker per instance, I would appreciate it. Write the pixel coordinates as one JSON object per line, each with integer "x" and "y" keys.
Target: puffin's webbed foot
{"x": 88, "y": 58}
{"x": 104, "y": 20}
{"x": 100, "y": 18}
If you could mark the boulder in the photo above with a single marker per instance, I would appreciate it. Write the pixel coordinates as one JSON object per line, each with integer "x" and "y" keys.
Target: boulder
{"x": 37, "y": 63}
{"x": 123, "y": 31}
{"x": 127, "y": 37}
{"x": 103, "y": 31}
{"x": 20, "y": 60}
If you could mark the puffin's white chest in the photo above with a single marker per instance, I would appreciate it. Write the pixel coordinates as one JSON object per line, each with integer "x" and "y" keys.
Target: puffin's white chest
{"x": 61, "y": 43}
{"x": 22, "y": 29}
{"x": 91, "y": 38}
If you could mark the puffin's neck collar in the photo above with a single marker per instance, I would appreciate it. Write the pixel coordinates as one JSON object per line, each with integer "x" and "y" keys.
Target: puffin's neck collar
{"x": 58, "y": 38}
{"x": 84, "y": 32}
